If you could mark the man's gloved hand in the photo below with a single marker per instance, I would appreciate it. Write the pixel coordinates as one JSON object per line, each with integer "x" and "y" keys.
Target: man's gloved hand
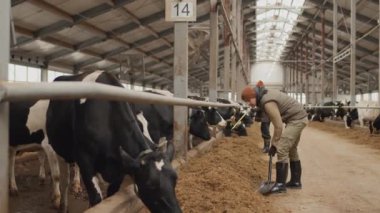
{"x": 272, "y": 150}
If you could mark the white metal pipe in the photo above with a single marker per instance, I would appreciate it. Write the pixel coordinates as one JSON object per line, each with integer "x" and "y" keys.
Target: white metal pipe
{"x": 4, "y": 107}
{"x": 274, "y": 7}
{"x": 345, "y": 107}
{"x": 75, "y": 90}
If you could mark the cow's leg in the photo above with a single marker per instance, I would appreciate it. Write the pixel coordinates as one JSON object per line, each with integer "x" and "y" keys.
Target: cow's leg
{"x": 345, "y": 122}
{"x": 54, "y": 171}
{"x": 90, "y": 180}
{"x": 114, "y": 186}
{"x": 361, "y": 121}
{"x": 42, "y": 174}
{"x": 76, "y": 187}
{"x": 65, "y": 200}
{"x": 100, "y": 179}
{"x": 12, "y": 180}
{"x": 370, "y": 127}
{"x": 191, "y": 138}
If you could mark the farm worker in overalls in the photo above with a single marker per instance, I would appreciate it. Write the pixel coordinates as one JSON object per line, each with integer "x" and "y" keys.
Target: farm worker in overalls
{"x": 280, "y": 108}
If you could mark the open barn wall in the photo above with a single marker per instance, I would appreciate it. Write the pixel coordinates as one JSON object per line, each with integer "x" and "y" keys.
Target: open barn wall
{"x": 269, "y": 72}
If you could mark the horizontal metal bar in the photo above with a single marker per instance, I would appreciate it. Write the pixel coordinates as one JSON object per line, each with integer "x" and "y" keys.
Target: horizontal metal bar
{"x": 285, "y": 7}
{"x": 76, "y": 90}
{"x": 346, "y": 107}
{"x": 205, "y": 28}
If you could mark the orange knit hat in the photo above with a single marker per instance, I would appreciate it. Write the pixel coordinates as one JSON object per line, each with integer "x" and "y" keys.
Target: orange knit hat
{"x": 248, "y": 93}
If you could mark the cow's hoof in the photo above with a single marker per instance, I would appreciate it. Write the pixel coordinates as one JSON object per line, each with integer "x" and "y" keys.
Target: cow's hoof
{"x": 56, "y": 202}
{"x": 42, "y": 180}
{"x": 77, "y": 188}
{"x": 63, "y": 208}
{"x": 13, "y": 192}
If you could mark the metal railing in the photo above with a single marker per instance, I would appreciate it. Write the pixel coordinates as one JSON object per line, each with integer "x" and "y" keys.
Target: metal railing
{"x": 76, "y": 90}
{"x": 345, "y": 107}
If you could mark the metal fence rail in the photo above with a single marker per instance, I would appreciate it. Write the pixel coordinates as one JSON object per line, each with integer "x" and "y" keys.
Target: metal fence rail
{"x": 75, "y": 90}
{"x": 345, "y": 107}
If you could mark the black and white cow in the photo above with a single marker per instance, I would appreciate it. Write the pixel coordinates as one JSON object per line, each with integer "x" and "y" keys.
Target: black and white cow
{"x": 226, "y": 112}
{"x": 212, "y": 115}
{"x": 27, "y": 131}
{"x": 310, "y": 113}
{"x": 322, "y": 113}
{"x": 352, "y": 115}
{"x": 232, "y": 115}
{"x": 156, "y": 121}
{"x": 376, "y": 123}
{"x": 364, "y": 114}
{"x": 341, "y": 112}
{"x": 104, "y": 137}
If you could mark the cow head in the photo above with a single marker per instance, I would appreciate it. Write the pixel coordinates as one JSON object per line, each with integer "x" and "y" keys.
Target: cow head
{"x": 376, "y": 123}
{"x": 340, "y": 112}
{"x": 155, "y": 179}
{"x": 351, "y": 116}
{"x": 247, "y": 119}
{"x": 213, "y": 117}
{"x": 198, "y": 125}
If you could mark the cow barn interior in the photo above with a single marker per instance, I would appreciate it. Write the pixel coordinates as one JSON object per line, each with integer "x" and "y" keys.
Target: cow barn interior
{"x": 93, "y": 92}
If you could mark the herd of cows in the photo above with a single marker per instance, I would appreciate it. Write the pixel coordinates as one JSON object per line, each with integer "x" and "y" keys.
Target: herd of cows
{"x": 111, "y": 139}
{"x": 362, "y": 113}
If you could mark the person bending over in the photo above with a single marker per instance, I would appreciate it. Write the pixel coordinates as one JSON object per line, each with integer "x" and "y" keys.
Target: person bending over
{"x": 280, "y": 108}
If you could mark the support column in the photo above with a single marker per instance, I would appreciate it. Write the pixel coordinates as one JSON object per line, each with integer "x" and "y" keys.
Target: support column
{"x": 132, "y": 81}
{"x": 307, "y": 94}
{"x": 233, "y": 52}
{"x": 288, "y": 69}
{"x": 44, "y": 74}
{"x": 369, "y": 91}
{"x": 4, "y": 107}
{"x": 353, "y": 52}
{"x": 181, "y": 41}
{"x": 293, "y": 77}
{"x": 239, "y": 32}
{"x": 335, "y": 50}
{"x": 284, "y": 78}
{"x": 378, "y": 78}
{"x": 307, "y": 91}
{"x": 296, "y": 75}
{"x": 214, "y": 50}
{"x": 303, "y": 57}
{"x": 313, "y": 69}
{"x": 227, "y": 59}
{"x": 323, "y": 56}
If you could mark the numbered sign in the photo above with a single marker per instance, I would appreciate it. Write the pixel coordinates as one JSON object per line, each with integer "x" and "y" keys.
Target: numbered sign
{"x": 180, "y": 10}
